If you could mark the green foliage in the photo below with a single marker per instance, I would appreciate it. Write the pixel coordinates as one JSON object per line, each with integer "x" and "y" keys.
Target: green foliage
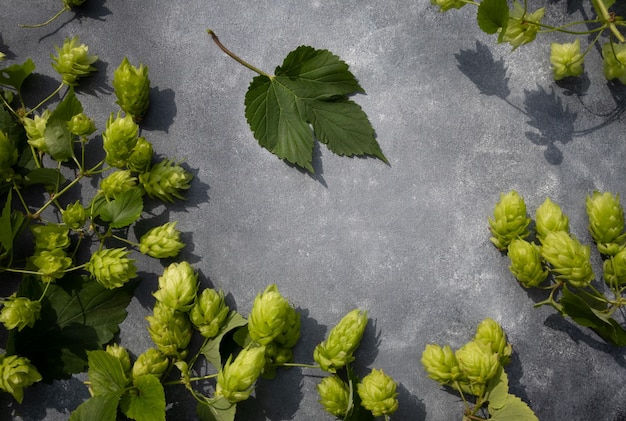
{"x": 570, "y": 279}
{"x": 518, "y": 26}
{"x": 77, "y": 314}
{"x": 307, "y": 99}
{"x": 478, "y": 371}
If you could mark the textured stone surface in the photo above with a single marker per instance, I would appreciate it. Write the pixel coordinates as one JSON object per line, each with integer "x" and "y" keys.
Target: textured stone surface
{"x": 460, "y": 119}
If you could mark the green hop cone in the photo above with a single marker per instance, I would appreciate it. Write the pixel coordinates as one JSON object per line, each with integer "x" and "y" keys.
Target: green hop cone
{"x": 178, "y": 286}
{"x": 152, "y": 361}
{"x": 566, "y": 59}
{"x": 70, "y": 3}
{"x": 509, "y": 220}
{"x": 2, "y": 56}
{"x": 51, "y": 264}
{"x": 549, "y": 217}
{"x": 162, "y": 241}
{"x": 170, "y": 330}
{"x": 236, "y": 378}
{"x": 81, "y": 125}
{"x": 270, "y": 316}
{"x": 165, "y": 181}
{"x": 336, "y": 351}
{"x": 8, "y": 156}
{"x": 569, "y": 259}
{"x": 74, "y": 215}
{"x": 122, "y": 355}
{"x": 477, "y": 362}
{"x": 111, "y": 267}
{"x": 440, "y": 364}
{"x": 17, "y": 373}
{"x": 522, "y": 27}
{"x": 334, "y": 395}
{"x": 36, "y": 129}
{"x": 378, "y": 393}
{"x": 490, "y": 333}
{"x": 526, "y": 263}
{"x": 19, "y": 312}
{"x": 141, "y": 157}
{"x": 614, "y": 269}
{"x": 117, "y": 182}
{"x": 50, "y": 237}
{"x": 614, "y": 61}
{"x": 119, "y": 139}
{"x": 73, "y": 61}
{"x": 445, "y": 5}
{"x": 606, "y": 222}
{"x": 209, "y": 312}
{"x": 132, "y": 88}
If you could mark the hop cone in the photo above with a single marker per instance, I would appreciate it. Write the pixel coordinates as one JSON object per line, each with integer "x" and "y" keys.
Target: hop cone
{"x": 74, "y": 215}
{"x": 111, "y": 267}
{"x": 271, "y": 315}
{"x": 336, "y": 351}
{"x": 162, "y": 241}
{"x": 490, "y": 334}
{"x": 477, "y": 362}
{"x": 16, "y": 373}
{"x": 523, "y": 29}
{"x": 209, "y": 312}
{"x": 19, "y": 312}
{"x": 121, "y": 354}
{"x": 566, "y": 59}
{"x": 614, "y": 61}
{"x": 526, "y": 263}
{"x": 615, "y": 269}
{"x": 119, "y": 139}
{"x": 334, "y": 396}
{"x": 141, "y": 157}
{"x": 445, "y": 5}
{"x": 509, "y": 221}
{"x": 73, "y": 61}
{"x": 152, "y": 361}
{"x": 569, "y": 259}
{"x": 165, "y": 181}
{"x": 81, "y": 125}
{"x": 51, "y": 264}
{"x": 117, "y": 182}
{"x": 606, "y": 222}
{"x": 378, "y": 393}
{"x": 170, "y": 330}
{"x": 132, "y": 88}
{"x": 440, "y": 364}
{"x": 178, "y": 286}
{"x": 549, "y": 217}
{"x": 35, "y": 130}
{"x": 236, "y": 378}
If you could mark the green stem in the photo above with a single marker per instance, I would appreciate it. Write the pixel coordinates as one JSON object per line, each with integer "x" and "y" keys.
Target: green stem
{"x": 59, "y": 193}
{"x": 236, "y": 58}
{"x": 48, "y": 98}
{"x": 603, "y": 13}
{"x": 124, "y": 240}
{"x": 297, "y": 365}
{"x": 39, "y": 25}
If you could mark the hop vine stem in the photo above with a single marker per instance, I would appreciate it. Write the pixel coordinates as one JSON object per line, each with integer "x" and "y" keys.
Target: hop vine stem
{"x": 234, "y": 56}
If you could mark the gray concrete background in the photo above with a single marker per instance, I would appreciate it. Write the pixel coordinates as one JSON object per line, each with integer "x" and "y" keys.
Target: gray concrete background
{"x": 460, "y": 119}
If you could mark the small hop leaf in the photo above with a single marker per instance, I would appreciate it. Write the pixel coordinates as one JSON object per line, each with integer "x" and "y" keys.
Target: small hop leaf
{"x": 493, "y": 16}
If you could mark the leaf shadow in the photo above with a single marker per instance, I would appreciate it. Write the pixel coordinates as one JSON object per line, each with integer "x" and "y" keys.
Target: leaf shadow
{"x": 92, "y": 10}
{"x": 488, "y": 75}
{"x": 587, "y": 336}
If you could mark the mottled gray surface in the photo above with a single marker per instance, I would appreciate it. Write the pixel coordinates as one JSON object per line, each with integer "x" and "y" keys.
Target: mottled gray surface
{"x": 459, "y": 118}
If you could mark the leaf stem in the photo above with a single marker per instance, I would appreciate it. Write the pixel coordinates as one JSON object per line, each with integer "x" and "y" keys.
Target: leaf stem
{"x": 235, "y": 57}
{"x": 296, "y": 365}
{"x": 39, "y": 25}
{"x": 46, "y": 99}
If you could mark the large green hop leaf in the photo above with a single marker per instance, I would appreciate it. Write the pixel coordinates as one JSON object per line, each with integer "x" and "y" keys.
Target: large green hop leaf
{"x": 307, "y": 99}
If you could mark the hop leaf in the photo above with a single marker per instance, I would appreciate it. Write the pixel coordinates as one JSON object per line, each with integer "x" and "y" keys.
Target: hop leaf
{"x": 509, "y": 220}
{"x": 378, "y": 393}
{"x": 336, "y": 351}
{"x": 526, "y": 263}
{"x": 122, "y": 355}
{"x": 73, "y": 61}
{"x": 334, "y": 396}
{"x": 8, "y": 156}
{"x": 569, "y": 259}
{"x": 566, "y": 59}
{"x": 132, "y": 88}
